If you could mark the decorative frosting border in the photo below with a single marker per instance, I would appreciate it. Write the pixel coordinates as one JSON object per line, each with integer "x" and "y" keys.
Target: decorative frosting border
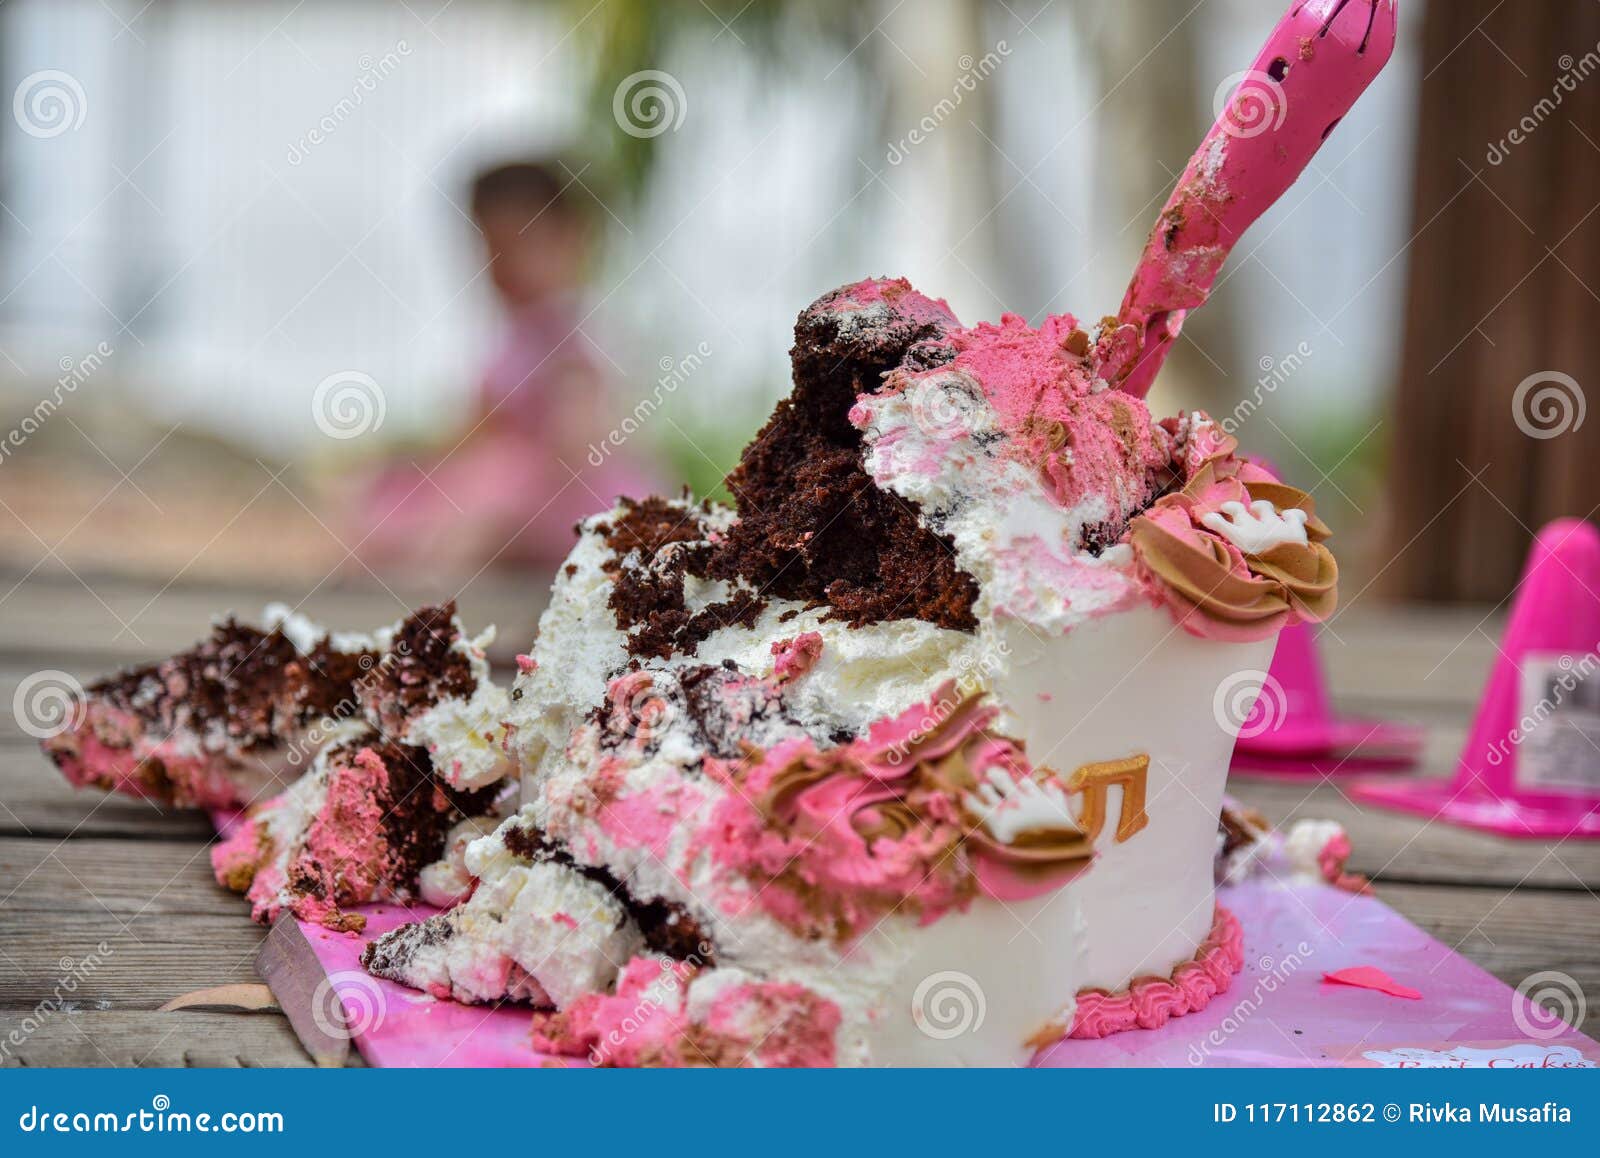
{"x": 1150, "y": 1002}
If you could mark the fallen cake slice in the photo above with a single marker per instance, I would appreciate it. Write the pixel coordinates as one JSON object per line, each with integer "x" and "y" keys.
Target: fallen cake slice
{"x": 432, "y": 689}
{"x": 222, "y": 724}
{"x": 1306, "y": 851}
{"x": 234, "y": 718}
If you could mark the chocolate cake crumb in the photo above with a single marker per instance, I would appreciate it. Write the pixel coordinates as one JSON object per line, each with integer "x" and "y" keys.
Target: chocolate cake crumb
{"x": 717, "y": 731}
{"x": 253, "y": 683}
{"x": 388, "y": 956}
{"x": 670, "y": 931}
{"x": 422, "y": 667}
{"x": 647, "y": 591}
{"x": 649, "y": 525}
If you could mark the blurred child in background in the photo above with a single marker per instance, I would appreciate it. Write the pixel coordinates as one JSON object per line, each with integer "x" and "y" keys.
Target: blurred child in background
{"x": 517, "y": 473}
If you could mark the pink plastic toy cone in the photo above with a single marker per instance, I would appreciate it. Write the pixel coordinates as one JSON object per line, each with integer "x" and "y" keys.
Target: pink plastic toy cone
{"x": 1293, "y": 731}
{"x": 1531, "y": 766}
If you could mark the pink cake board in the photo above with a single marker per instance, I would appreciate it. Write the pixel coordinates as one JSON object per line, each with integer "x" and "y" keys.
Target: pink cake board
{"x": 1333, "y": 761}
{"x": 1278, "y": 1012}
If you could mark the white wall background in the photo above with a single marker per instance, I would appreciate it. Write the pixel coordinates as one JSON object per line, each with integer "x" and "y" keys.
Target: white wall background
{"x": 230, "y": 281}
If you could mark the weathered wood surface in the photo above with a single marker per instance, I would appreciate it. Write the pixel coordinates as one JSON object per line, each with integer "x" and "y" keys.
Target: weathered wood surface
{"x": 80, "y": 871}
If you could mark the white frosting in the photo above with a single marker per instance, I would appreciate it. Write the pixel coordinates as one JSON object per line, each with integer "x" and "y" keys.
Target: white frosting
{"x": 1008, "y": 808}
{"x": 937, "y": 442}
{"x": 447, "y": 881}
{"x": 1258, "y": 528}
{"x": 305, "y": 633}
{"x": 1303, "y": 845}
{"x": 542, "y": 933}
{"x": 558, "y": 925}
{"x": 465, "y": 738}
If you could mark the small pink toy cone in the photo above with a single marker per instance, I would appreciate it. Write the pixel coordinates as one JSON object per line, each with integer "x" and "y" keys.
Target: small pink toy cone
{"x": 1293, "y": 732}
{"x": 1531, "y": 766}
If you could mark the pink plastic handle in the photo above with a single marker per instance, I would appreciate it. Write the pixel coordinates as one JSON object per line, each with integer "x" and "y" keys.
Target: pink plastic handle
{"x": 1318, "y": 60}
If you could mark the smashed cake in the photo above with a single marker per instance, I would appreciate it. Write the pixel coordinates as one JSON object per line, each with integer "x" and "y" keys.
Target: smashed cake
{"x": 755, "y": 783}
{"x": 911, "y": 755}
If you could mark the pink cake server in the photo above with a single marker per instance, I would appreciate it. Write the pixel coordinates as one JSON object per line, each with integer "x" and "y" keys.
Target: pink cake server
{"x": 1318, "y": 60}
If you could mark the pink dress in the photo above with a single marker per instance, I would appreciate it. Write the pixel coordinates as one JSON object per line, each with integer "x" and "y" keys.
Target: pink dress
{"x": 511, "y": 487}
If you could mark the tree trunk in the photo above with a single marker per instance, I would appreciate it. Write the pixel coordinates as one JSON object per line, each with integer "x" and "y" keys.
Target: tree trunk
{"x": 1489, "y": 443}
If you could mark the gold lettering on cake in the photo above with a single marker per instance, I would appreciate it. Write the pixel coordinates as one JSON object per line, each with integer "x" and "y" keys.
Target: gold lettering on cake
{"x": 1094, "y": 781}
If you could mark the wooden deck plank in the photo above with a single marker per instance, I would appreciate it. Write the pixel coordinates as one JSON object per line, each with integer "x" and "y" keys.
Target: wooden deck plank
{"x": 114, "y": 621}
{"x": 129, "y": 1038}
{"x": 118, "y": 878}
{"x": 102, "y": 960}
{"x": 1391, "y": 658}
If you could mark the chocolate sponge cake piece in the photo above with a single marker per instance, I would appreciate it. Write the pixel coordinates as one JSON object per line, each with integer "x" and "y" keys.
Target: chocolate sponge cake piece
{"x": 812, "y": 525}
{"x": 360, "y": 826}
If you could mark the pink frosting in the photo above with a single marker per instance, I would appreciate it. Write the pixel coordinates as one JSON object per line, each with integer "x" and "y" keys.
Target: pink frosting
{"x": 108, "y": 749}
{"x": 1150, "y": 1002}
{"x": 343, "y": 857}
{"x": 1083, "y": 440}
{"x": 648, "y": 818}
{"x": 646, "y": 1022}
{"x": 792, "y": 658}
{"x": 896, "y": 292}
{"x": 238, "y": 852}
{"x": 1331, "y": 863}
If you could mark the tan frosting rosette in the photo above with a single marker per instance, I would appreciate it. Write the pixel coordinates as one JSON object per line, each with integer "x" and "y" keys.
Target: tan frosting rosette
{"x": 925, "y": 812}
{"x": 1235, "y": 553}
